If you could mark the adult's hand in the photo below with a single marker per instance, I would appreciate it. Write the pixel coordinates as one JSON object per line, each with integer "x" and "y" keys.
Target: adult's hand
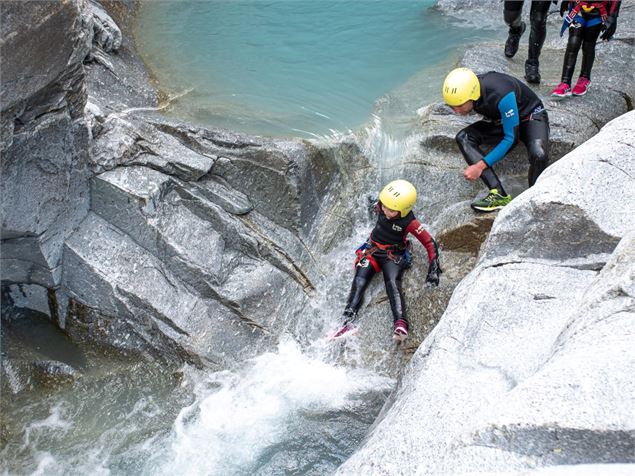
{"x": 473, "y": 172}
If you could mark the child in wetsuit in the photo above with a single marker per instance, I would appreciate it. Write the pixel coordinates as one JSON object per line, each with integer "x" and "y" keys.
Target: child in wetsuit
{"x": 387, "y": 251}
{"x": 585, "y": 21}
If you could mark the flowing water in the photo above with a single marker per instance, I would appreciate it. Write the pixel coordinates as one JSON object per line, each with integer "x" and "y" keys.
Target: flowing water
{"x": 300, "y": 408}
{"x": 276, "y": 67}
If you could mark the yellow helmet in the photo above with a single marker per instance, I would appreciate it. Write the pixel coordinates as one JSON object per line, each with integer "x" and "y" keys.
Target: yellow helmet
{"x": 460, "y": 86}
{"x": 399, "y": 195}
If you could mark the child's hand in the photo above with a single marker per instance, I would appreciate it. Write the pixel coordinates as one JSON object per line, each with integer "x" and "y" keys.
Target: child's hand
{"x": 610, "y": 25}
{"x": 563, "y": 7}
{"x": 433, "y": 272}
{"x": 371, "y": 203}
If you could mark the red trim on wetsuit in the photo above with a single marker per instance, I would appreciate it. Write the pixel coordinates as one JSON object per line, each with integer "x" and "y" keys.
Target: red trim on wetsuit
{"x": 419, "y": 232}
{"x": 605, "y": 7}
{"x": 600, "y": 6}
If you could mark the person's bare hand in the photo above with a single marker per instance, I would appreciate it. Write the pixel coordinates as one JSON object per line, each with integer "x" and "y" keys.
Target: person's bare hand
{"x": 473, "y": 172}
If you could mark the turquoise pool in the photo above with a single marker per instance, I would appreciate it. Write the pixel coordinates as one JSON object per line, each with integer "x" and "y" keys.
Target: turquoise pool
{"x": 292, "y": 67}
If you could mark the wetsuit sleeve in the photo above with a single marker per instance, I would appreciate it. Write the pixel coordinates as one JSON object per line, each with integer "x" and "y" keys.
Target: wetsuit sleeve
{"x": 508, "y": 108}
{"x": 416, "y": 228}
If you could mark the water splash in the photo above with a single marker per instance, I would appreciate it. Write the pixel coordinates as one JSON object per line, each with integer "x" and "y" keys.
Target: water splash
{"x": 382, "y": 148}
{"x": 237, "y": 416}
{"x": 53, "y": 423}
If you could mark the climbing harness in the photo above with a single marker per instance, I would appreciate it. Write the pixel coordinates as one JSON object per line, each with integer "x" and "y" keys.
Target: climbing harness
{"x": 586, "y": 7}
{"x": 399, "y": 253}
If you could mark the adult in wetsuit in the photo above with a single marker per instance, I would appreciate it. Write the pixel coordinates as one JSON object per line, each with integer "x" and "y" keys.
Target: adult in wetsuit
{"x": 387, "y": 251}
{"x": 585, "y": 21}
{"x": 512, "y": 112}
{"x": 512, "y": 11}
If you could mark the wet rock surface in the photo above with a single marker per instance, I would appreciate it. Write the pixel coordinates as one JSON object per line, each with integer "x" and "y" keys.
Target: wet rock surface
{"x": 561, "y": 305}
{"x": 51, "y": 372}
{"x": 44, "y": 135}
{"x": 172, "y": 225}
{"x": 149, "y": 236}
{"x": 213, "y": 206}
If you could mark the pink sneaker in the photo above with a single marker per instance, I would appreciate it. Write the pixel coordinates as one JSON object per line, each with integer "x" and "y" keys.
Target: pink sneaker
{"x": 345, "y": 331}
{"x": 401, "y": 330}
{"x": 581, "y": 87}
{"x": 562, "y": 90}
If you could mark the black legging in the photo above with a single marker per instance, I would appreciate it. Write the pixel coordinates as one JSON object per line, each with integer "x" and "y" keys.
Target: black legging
{"x": 538, "y": 19}
{"x": 534, "y": 134}
{"x": 585, "y": 37}
{"x": 392, "y": 271}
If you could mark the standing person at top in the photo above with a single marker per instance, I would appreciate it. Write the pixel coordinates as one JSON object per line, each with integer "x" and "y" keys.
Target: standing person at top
{"x": 387, "y": 251}
{"x": 585, "y": 21}
{"x": 512, "y": 112}
{"x": 512, "y": 11}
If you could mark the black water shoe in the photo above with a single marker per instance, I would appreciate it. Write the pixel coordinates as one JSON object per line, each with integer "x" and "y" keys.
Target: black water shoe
{"x": 532, "y": 75}
{"x": 511, "y": 45}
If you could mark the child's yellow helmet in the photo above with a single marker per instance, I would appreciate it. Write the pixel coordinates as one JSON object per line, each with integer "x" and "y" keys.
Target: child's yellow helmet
{"x": 460, "y": 86}
{"x": 399, "y": 195}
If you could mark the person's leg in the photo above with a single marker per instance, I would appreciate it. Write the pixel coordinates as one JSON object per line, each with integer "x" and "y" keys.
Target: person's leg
{"x": 364, "y": 272}
{"x": 537, "y": 34}
{"x": 571, "y": 54}
{"x": 535, "y": 135}
{"x": 392, "y": 279}
{"x": 471, "y": 138}
{"x": 590, "y": 37}
{"x": 512, "y": 15}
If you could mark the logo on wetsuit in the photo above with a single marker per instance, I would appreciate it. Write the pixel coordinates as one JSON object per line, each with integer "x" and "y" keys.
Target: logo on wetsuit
{"x": 363, "y": 263}
{"x": 397, "y": 228}
{"x": 509, "y": 113}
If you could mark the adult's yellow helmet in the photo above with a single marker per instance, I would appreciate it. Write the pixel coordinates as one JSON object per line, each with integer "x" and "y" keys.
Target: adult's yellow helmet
{"x": 399, "y": 195}
{"x": 460, "y": 86}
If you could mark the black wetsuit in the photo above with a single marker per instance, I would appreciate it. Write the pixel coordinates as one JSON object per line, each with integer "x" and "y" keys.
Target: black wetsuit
{"x": 538, "y": 19}
{"x": 385, "y": 251}
{"x": 584, "y": 33}
{"x": 512, "y": 111}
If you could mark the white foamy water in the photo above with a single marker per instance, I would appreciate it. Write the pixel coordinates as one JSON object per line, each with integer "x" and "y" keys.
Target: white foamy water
{"x": 301, "y": 408}
{"x": 237, "y": 417}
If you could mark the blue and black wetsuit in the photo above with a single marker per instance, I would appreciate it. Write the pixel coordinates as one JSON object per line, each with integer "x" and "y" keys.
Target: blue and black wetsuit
{"x": 512, "y": 111}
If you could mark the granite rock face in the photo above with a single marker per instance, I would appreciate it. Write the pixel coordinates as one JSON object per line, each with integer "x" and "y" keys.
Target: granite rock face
{"x": 45, "y": 139}
{"x": 181, "y": 243}
{"x": 557, "y": 294}
{"x": 194, "y": 257}
{"x": 134, "y": 231}
{"x": 160, "y": 237}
